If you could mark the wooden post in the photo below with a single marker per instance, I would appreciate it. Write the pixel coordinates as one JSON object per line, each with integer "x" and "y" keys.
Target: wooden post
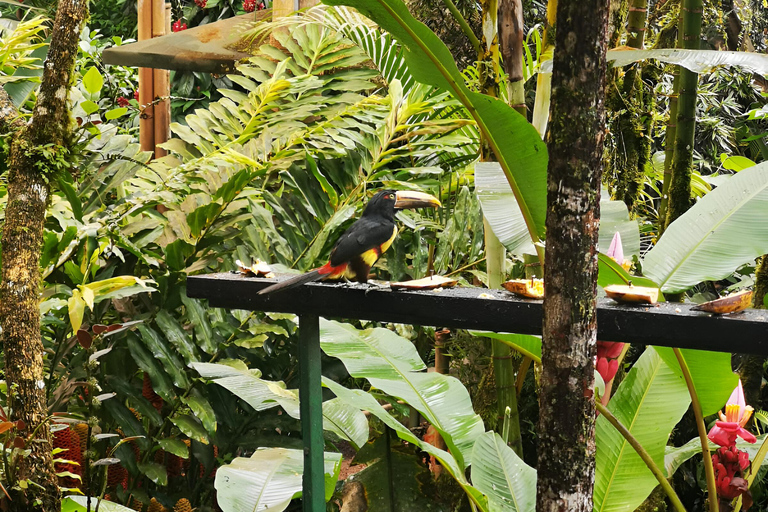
{"x": 161, "y": 25}
{"x": 146, "y": 82}
{"x": 311, "y": 409}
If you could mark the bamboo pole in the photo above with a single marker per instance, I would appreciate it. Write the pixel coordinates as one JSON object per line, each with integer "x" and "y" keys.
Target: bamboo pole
{"x": 161, "y": 25}
{"x": 146, "y": 82}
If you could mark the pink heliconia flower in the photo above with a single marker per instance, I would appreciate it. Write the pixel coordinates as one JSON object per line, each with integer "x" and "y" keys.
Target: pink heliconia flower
{"x": 731, "y": 424}
{"x": 616, "y": 251}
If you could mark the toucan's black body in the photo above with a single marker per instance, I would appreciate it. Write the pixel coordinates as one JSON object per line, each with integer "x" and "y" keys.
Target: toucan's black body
{"x": 361, "y": 245}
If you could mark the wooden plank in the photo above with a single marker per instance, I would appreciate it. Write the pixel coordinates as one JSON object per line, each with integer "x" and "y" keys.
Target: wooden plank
{"x": 210, "y": 48}
{"x": 146, "y": 81}
{"x": 161, "y": 25}
{"x": 670, "y": 325}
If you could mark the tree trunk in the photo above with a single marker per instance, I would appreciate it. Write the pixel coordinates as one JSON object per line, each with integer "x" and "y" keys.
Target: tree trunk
{"x": 682, "y": 165}
{"x": 577, "y": 131}
{"x": 31, "y": 171}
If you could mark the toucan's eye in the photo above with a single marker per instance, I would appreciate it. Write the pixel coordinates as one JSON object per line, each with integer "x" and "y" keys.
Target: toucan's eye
{"x": 391, "y": 196}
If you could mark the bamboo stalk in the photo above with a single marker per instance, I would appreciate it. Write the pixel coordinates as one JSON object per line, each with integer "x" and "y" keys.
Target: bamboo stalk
{"x": 146, "y": 82}
{"x": 161, "y": 25}
{"x": 682, "y": 166}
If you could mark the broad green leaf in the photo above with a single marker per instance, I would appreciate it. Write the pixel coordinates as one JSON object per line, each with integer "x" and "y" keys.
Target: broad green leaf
{"x": 115, "y": 113}
{"x": 366, "y": 402}
{"x": 161, "y": 381}
{"x": 610, "y": 272}
{"x": 516, "y": 144}
{"x": 75, "y": 503}
{"x": 649, "y": 403}
{"x": 176, "y": 336}
{"x": 117, "y": 287}
{"x": 262, "y": 394}
{"x": 711, "y": 373}
{"x": 521, "y": 342}
{"x": 175, "y": 446}
{"x": 165, "y": 354}
{"x": 155, "y": 472}
{"x": 698, "y": 61}
{"x": 128, "y": 423}
{"x": 190, "y": 427}
{"x": 500, "y": 474}
{"x": 198, "y": 316}
{"x": 71, "y": 193}
{"x": 89, "y": 107}
{"x": 20, "y": 91}
{"x": 503, "y": 214}
{"x": 268, "y": 480}
{"x": 391, "y": 364}
{"x": 92, "y": 80}
{"x": 203, "y": 411}
{"x": 722, "y": 231}
{"x": 346, "y": 421}
{"x": 76, "y": 306}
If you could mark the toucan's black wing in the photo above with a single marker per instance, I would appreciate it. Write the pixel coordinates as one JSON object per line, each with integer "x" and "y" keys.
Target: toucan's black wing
{"x": 366, "y": 234}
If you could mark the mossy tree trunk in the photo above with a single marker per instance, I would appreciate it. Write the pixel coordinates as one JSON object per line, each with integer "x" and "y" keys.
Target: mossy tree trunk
{"x": 38, "y": 152}
{"x": 682, "y": 164}
{"x": 566, "y": 426}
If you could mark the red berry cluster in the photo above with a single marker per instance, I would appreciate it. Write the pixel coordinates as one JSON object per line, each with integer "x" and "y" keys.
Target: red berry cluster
{"x": 201, "y": 3}
{"x": 249, "y": 5}
{"x": 122, "y": 101}
{"x": 178, "y": 26}
{"x": 607, "y": 362}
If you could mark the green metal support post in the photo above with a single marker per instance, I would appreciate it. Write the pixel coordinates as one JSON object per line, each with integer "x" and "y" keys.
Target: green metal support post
{"x": 311, "y": 405}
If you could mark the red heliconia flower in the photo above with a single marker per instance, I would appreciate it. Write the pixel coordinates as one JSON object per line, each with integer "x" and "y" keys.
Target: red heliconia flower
{"x": 178, "y": 26}
{"x": 201, "y": 3}
{"x": 249, "y": 5}
{"x": 122, "y": 101}
{"x": 731, "y": 424}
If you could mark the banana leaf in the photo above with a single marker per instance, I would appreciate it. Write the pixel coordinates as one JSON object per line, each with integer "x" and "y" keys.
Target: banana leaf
{"x": 366, "y": 402}
{"x": 346, "y": 422}
{"x": 722, "y": 231}
{"x": 392, "y": 364}
{"x": 501, "y": 475}
{"x": 649, "y": 402}
{"x": 698, "y": 61}
{"x": 711, "y": 373}
{"x": 501, "y": 211}
{"x": 268, "y": 480}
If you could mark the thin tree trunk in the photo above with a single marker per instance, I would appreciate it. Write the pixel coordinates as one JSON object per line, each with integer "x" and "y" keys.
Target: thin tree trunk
{"x": 577, "y": 131}
{"x": 682, "y": 166}
{"x": 31, "y": 170}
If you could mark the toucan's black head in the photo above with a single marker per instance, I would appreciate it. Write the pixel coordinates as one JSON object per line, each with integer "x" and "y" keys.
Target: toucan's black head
{"x": 386, "y": 202}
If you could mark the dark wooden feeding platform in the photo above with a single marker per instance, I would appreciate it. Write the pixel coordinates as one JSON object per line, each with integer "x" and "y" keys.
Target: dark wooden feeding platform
{"x": 665, "y": 324}
{"x": 669, "y": 325}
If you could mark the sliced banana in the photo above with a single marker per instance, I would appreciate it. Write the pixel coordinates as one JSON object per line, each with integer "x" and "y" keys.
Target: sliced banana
{"x": 632, "y": 294}
{"x": 730, "y": 304}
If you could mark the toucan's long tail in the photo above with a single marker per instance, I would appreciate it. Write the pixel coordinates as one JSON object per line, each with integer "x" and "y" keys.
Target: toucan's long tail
{"x": 293, "y": 282}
